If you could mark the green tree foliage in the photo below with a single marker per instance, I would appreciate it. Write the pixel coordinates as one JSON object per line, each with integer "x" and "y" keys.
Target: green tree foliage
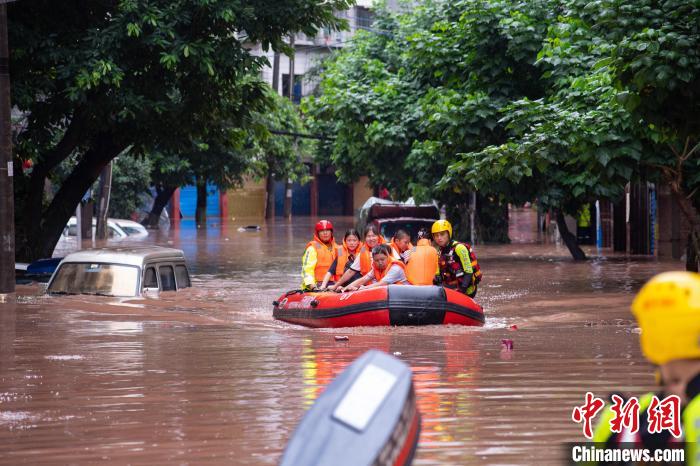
{"x": 404, "y": 99}
{"x": 93, "y": 78}
{"x": 563, "y": 102}
{"x": 130, "y": 183}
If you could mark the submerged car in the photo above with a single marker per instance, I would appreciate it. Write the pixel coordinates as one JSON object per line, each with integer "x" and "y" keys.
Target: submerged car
{"x": 120, "y": 272}
{"x": 389, "y": 216}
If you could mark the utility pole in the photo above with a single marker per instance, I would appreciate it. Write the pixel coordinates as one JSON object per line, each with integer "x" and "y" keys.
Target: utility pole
{"x": 288, "y": 185}
{"x": 103, "y": 204}
{"x": 270, "y": 182}
{"x": 7, "y": 197}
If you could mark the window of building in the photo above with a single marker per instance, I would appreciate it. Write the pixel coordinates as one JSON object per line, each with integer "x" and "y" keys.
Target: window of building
{"x": 363, "y": 17}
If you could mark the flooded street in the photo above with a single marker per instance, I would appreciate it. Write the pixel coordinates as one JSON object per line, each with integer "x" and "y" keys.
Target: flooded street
{"x": 207, "y": 376}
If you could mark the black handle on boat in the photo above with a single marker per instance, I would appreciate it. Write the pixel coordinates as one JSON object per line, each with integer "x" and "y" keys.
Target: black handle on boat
{"x": 292, "y": 292}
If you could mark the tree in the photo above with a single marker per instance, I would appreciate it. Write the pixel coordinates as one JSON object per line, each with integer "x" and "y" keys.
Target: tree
{"x": 624, "y": 80}
{"x": 94, "y": 78}
{"x": 403, "y": 100}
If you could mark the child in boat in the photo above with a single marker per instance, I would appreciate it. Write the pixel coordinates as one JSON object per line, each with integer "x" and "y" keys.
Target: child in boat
{"x": 385, "y": 270}
{"x": 319, "y": 255}
{"x": 401, "y": 245}
{"x": 346, "y": 256}
{"x": 363, "y": 259}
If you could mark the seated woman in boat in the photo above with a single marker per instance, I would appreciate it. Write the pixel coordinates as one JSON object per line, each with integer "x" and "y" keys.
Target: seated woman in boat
{"x": 385, "y": 270}
{"x": 363, "y": 259}
{"x": 318, "y": 256}
{"x": 346, "y": 256}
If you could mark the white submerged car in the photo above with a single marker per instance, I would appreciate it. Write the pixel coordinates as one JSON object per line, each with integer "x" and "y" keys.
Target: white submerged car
{"x": 120, "y": 272}
{"x": 117, "y": 228}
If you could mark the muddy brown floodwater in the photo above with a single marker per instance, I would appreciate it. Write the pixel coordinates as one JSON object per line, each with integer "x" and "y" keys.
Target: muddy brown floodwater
{"x": 207, "y": 376}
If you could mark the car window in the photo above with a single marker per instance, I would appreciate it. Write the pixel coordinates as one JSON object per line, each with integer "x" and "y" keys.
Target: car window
{"x": 130, "y": 230}
{"x": 150, "y": 280}
{"x": 167, "y": 278}
{"x": 95, "y": 278}
{"x": 183, "y": 278}
{"x": 113, "y": 232}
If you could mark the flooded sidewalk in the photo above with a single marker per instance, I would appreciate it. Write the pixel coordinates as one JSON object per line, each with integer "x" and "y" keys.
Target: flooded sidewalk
{"x": 205, "y": 375}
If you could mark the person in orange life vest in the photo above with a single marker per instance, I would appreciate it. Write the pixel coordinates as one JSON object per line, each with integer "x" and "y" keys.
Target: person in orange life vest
{"x": 458, "y": 267}
{"x": 401, "y": 245}
{"x": 318, "y": 256}
{"x": 363, "y": 259}
{"x": 385, "y": 270}
{"x": 346, "y": 256}
{"x": 423, "y": 265}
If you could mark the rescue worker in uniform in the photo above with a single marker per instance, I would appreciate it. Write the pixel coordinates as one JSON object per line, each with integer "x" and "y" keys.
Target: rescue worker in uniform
{"x": 363, "y": 259}
{"x": 458, "y": 267}
{"x": 346, "y": 256}
{"x": 422, "y": 267}
{"x": 667, "y": 310}
{"x": 318, "y": 256}
{"x": 385, "y": 270}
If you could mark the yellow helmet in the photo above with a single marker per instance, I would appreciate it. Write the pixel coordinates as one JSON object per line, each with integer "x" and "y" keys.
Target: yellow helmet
{"x": 441, "y": 225}
{"x": 667, "y": 309}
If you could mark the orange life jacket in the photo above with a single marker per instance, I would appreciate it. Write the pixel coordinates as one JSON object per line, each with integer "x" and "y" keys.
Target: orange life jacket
{"x": 325, "y": 255}
{"x": 379, "y": 274}
{"x": 422, "y": 264}
{"x": 366, "y": 256}
{"x": 344, "y": 256}
{"x": 396, "y": 248}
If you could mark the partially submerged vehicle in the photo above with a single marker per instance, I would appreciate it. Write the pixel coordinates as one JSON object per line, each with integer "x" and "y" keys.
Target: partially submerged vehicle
{"x": 120, "y": 272}
{"x": 366, "y": 416}
{"x": 390, "y": 216}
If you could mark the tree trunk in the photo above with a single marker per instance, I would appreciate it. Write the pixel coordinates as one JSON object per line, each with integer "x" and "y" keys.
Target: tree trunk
{"x": 200, "y": 215}
{"x": 86, "y": 210}
{"x": 103, "y": 203}
{"x": 270, "y": 197}
{"x": 569, "y": 239}
{"x": 66, "y": 199}
{"x": 163, "y": 195}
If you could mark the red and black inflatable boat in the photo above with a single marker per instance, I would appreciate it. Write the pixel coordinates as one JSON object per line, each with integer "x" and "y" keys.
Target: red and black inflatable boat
{"x": 385, "y": 305}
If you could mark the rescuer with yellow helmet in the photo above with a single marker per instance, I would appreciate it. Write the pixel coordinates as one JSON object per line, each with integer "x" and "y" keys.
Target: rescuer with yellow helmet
{"x": 667, "y": 310}
{"x": 458, "y": 267}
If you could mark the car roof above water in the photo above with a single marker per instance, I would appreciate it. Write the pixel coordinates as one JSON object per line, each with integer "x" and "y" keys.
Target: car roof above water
{"x": 135, "y": 255}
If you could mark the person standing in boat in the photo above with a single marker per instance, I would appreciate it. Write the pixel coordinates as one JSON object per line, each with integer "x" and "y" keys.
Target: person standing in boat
{"x": 346, "y": 256}
{"x": 401, "y": 245}
{"x": 422, "y": 267}
{"x": 458, "y": 267}
{"x": 319, "y": 255}
{"x": 363, "y": 259}
{"x": 385, "y": 270}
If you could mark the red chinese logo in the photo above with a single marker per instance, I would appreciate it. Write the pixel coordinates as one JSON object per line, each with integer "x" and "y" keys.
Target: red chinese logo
{"x": 661, "y": 415}
{"x": 586, "y": 412}
{"x": 626, "y": 415}
{"x": 665, "y": 415}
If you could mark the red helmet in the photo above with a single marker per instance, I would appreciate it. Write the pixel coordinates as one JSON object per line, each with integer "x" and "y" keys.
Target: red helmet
{"x": 323, "y": 225}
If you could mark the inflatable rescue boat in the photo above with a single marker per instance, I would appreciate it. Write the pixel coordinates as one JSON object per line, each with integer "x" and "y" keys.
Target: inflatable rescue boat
{"x": 385, "y": 305}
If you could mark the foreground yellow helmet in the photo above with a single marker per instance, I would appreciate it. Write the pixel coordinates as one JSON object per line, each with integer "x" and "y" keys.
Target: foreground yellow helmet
{"x": 667, "y": 309}
{"x": 441, "y": 225}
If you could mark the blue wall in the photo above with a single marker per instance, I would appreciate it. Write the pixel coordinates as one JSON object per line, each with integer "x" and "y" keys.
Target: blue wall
{"x": 188, "y": 201}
